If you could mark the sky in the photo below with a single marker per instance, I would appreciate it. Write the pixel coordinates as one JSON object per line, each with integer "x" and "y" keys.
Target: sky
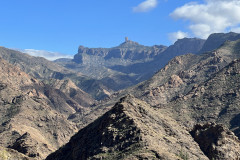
{"x": 55, "y": 28}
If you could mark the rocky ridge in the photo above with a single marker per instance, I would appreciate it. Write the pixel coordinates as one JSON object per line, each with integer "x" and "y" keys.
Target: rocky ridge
{"x": 130, "y": 130}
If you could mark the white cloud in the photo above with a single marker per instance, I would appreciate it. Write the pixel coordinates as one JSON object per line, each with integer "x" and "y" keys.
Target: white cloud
{"x": 177, "y": 35}
{"x": 212, "y": 16}
{"x": 46, "y": 54}
{"x": 145, "y": 6}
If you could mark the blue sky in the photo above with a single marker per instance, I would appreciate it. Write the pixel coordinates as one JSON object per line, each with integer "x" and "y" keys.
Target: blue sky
{"x": 61, "y": 25}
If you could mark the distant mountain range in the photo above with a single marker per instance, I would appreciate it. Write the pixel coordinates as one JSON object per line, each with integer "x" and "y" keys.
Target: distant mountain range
{"x": 129, "y": 63}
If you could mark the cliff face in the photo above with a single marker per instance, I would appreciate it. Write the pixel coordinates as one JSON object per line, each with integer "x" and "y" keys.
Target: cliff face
{"x": 128, "y": 50}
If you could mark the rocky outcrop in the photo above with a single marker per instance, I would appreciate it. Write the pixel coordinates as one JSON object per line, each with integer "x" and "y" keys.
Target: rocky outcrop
{"x": 130, "y": 130}
{"x": 26, "y": 145}
{"x": 216, "y": 141}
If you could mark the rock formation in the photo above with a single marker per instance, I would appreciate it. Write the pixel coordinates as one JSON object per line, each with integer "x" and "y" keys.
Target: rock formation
{"x": 216, "y": 141}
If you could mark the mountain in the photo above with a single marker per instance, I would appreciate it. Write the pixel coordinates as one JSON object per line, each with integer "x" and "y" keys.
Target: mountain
{"x": 217, "y": 39}
{"x": 134, "y": 62}
{"x": 63, "y": 60}
{"x": 97, "y": 62}
{"x": 183, "y": 46}
{"x": 35, "y": 66}
{"x": 130, "y": 130}
{"x": 34, "y": 117}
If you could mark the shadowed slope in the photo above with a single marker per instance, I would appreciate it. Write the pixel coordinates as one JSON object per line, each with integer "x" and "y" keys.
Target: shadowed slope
{"x": 130, "y": 130}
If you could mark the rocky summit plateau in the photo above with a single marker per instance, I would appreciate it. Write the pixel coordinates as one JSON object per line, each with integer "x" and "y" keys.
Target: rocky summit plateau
{"x": 129, "y": 102}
